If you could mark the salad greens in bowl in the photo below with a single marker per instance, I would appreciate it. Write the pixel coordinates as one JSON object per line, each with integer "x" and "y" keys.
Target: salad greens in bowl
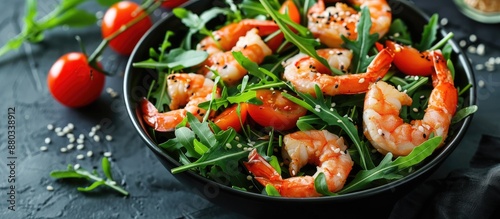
{"x": 265, "y": 107}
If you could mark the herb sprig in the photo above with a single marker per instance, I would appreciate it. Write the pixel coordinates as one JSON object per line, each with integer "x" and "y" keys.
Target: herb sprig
{"x": 80, "y": 173}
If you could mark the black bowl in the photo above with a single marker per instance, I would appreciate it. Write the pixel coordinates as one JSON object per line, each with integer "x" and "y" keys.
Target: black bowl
{"x": 376, "y": 201}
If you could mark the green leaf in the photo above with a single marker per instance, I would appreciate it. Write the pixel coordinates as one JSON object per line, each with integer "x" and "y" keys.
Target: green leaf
{"x": 58, "y": 174}
{"x": 399, "y": 32}
{"x": 428, "y": 34}
{"x": 107, "y": 3}
{"x": 418, "y": 154}
{"x": 106, "y": 168}
{"x": 464, "y": 113}
{"x": 185, "y": 136}
{"x": 202, "y": 131}
{"x": 272, "y": 191}
{"x": 361, "y": 46}
{"x": 177, "y": 59}
{"x": 274, "y": 162}
{"x": 91, "y": 187}
{"x": 321, "y": 185}
{"x": 199, "y": 147}
{"x": 72, "y": 18}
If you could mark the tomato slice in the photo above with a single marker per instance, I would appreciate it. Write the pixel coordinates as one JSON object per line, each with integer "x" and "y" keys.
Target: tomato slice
{"x": 276, "y": 111}
{"x": 410, "y": 61}
{"x": 229, "y": 117}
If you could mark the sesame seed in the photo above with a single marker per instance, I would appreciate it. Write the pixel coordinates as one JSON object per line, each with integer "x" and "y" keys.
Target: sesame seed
{"x": 480, "y": 49}
{"x": 380, "y": 131}
{"x": 71, "y": 126}
{"x": 333, "y": 104}
{"x": 97, "y": 138}
{"x": 237, "y": 138}
{"x": 361, "y": 80}
{"x": 80, "y": 147}
{"x": 339, "y": 121}
{"x": 50, "y": 127}
{"x": 47, "y": 140}
{"x": 76, "y": 166}
{"x": 80, "y": 157}
{"x": 239, "y": 145}
{"x": 43, "y": 148}
{"x": 399, "y": 87}
{"x": 422, "y": 97}
{"x": 480, "y": 83}
{"x": 89, "y": 153}
{"x": 336, "y": 150}
{"x": 444, "y": 21}
{"x": 63, "y": 149}
{"x": 60, "y": 134}
{"x": 107, "y": 154}
{"x": 249, "y": 177}
{"x": 97, "y": 127}
{"x": 50, "y": 188}
{"x": 317, "y": 110}
{"x": 58, "y": 129}
{"x": 228, "y": 145}
{"x": 339, "y": 175}
{"x": 415, "y": 110}
{"x": 479, "y": 67}
{"x": 81, "y": 136}
{"x": 66, "y": 129}
{"x": 80, "y": 141}
{"x": 70, "y": 146}
{"x": 71, "y": 140}
{"x": 462, "y": 43}
{"x": 473, "y": 38}
{"x": 471, "y": 49}
{"x": 421, "y": 128}
{"x": 109, "y": 138}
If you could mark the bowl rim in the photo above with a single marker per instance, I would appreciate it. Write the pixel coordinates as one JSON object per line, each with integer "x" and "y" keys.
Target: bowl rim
{"x": 439, "y": 158}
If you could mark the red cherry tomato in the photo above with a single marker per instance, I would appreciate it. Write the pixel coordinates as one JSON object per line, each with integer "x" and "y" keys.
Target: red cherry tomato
{"x": 410, "y": 61}
{"x": 276, "y": 110}
{"x": 170, "y": 4}
{"x": 119, "y": 15}
{"x": 229, "y": 117}
{"x": 73, "y": 82}
{"x": 288, "y": 7}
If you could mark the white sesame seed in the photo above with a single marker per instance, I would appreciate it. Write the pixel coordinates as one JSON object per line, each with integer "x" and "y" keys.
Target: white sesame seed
{"x": 70, "y": 135}
{"x": 497, "y": 60}
{"x": 80, "y": 157}
{"x": 58, "y": 129}
{"x": 109, "y": 90}
{"x": 444, "y": 21}
{"x": 76, "y": 166}
{"x": 81, "y": 136}
{"x": 63, "y": 150}
{"x": 50, "y": 188}
{"x": 415, "y": 110}
{"x": 336, "y": 150}
{"x": 473, "y": 38}
{"x": 50, "y": 127}
{"x": 339, "y": 175}
{"x": 422, "y": 97}
{"x": 80, "y": 141}
{"x": 399, "y": 87}
{"x": 237, "y": 138}
{"x": 249, "y": 177}
{"x": 107, "y": 154}
{"x": 421, "y": 128}
{"x": 479, "y": 67}
{"x": 333, "y": 104}
{"x": 60, "y": 134}
{"x": 113, "y": 94}
{"x": 80, "y": 147}
{"x": 109, "y": 138}
{"x": 361, "y": 80}
{"x": 70, "y": 146}
{"x": 43, "y": 148}
{"x": 47, "y": 140}
{"x": 239, "y": 145}
{"x": 339, "y": 121}
{"x": 228, "y": 145}
{"x": 416, "y": 78}
{"x": 331, "y": 109}
{"x": 317, "y": 110}
{"x": 93, "y": 129}
{"x": 97, "y": 138}
{"x": 89, "y": 153}
{"x": 471, "y": 49}
{"x": 480, "y": 49}
{"x": 380, "y": 131}
{"x": 462, "y": 43}
{"x": 71, "y": 140}
{"x": 480, "y": 83}
{"x": 97, "y": 127}
{"x": 66, "y": 129}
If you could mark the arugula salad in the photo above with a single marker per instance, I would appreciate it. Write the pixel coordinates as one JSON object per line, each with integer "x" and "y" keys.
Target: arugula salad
{"x": 254, "y": 113}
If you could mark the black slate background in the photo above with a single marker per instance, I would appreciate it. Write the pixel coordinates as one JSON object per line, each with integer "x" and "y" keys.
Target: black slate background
{"x": 154, "y": 191}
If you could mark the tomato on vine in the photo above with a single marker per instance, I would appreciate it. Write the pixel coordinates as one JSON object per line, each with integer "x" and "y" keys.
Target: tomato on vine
{"x": 119, "y": 15}
{"x": 73, "y": 82}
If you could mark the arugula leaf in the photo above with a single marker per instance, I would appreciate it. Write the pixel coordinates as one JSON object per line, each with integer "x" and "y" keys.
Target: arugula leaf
{"x": 321, "y": 185}
{"x": 176, "y": 60}
{"x": 429, "y": 34}
{"x": 399, "y": 32}
{"x": 272, "y": 191}
{"x": 361, "y": 46}
{"x": 390, "y": 170}
{"x": 463, "y": 113}
{"x": 81, "y": 173}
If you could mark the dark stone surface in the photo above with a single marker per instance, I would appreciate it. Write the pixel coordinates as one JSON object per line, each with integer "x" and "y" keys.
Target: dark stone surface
{"x": 154, "y": 193}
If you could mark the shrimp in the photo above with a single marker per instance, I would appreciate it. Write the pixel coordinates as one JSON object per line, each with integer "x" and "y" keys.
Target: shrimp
{"x": 317, "y": 147}
{"x": 244, "y": 36}
{"x": 305, "y": 72}
{"x": 186, "y": 91}
{"x": 329, "y": 24}
{"x": 387, "y": 132}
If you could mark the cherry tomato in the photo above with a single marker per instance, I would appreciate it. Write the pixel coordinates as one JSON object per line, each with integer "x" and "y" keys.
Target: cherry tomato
{"x": 276, "y": 110}
{"x": 119, "y": 15}
{"x": 288, "y": 7}
{"x": 170, "y": 4}
{"x": 73, "y": 82}
{"x": 410, "y": 61}
{"x": 229, "y": 117}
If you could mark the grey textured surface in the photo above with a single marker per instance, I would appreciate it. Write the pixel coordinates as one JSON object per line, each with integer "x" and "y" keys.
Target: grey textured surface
{"x": 154, "y": 192}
